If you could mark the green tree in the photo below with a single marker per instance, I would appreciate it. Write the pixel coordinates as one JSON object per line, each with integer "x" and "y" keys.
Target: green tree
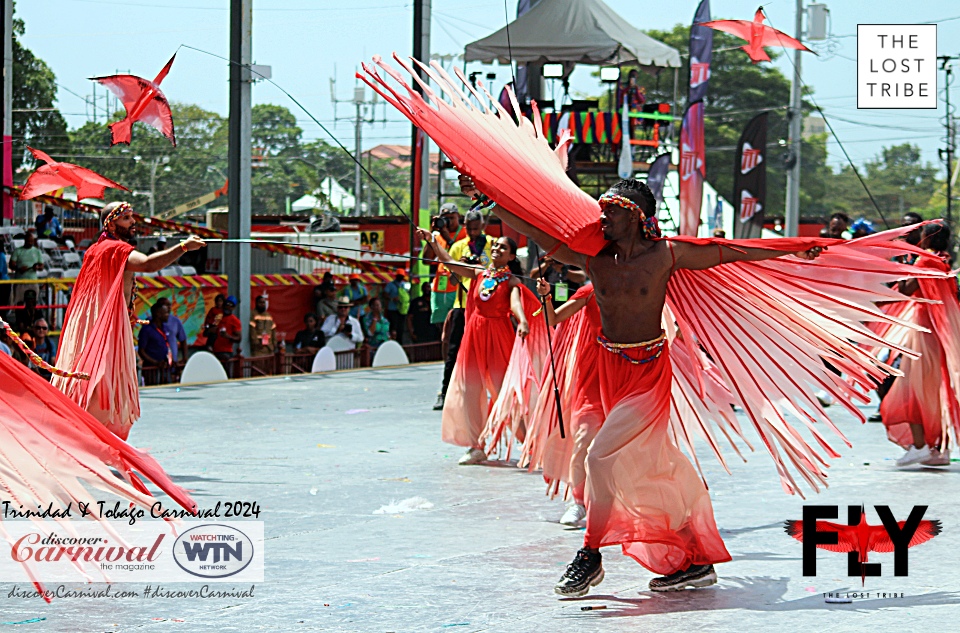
{"x": 151, "y": 162}
{"x": 899, "y": 181}
{"x": 274, "y": 128}
{"x": 739, "y": 90}
{"x": 36, "y": 121}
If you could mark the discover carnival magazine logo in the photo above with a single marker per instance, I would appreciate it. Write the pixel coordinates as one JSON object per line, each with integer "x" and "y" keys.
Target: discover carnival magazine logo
{"x": 101, "y": 551}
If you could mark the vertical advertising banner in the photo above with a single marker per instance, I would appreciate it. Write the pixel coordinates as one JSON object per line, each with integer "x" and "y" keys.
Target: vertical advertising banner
{"x": 701, "y": 53}
{"x": 657, "y": 176}
{"x": 692, "y": 156}
{"x": 692, "y": 166}
{"x": 750, "y": 179}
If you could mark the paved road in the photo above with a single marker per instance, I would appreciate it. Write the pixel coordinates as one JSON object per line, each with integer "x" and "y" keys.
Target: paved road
{"x": 322, "y": 454}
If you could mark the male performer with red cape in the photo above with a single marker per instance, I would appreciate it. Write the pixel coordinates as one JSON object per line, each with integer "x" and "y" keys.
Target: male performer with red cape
{"x": 767, "y": 326}
{"x": 97, "y": 336}
{"x": 641, "y": 491}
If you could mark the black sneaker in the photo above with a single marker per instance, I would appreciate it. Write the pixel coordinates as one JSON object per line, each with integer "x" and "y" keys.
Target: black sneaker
{"x": 438, "y": 405}
{"x": 584, "y": 572}
{"x": 694, "y": 576}
{"x": 876, "y": 417}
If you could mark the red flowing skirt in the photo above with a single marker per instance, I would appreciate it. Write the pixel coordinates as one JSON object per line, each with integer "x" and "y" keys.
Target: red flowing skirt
{"x": 477, "y": 378}
{"x": 916, "y": 397}
{"x": 641, "y": 491}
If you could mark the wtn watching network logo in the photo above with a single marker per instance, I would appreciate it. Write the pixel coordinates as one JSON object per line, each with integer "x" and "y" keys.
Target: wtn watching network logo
{"x": 857, "y": 539}
{"x": 213, "y": 551}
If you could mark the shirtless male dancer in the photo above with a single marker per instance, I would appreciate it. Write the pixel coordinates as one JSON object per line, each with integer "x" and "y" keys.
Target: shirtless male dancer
{"x": 641, "y": 492}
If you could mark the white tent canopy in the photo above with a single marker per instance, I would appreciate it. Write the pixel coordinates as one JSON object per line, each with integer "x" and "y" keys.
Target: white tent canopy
{"x": 338, "y": 197}
{"x": 574, "y": 31}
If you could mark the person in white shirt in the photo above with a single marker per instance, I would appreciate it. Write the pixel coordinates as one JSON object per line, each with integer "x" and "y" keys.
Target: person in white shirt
{"x": 342, "y": 324}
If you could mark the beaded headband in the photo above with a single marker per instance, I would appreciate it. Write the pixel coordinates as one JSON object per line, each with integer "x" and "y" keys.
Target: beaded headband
{"x": 649, "y": 226}
{"x": 620, "y": 201}
{"x": 122, "y": 208}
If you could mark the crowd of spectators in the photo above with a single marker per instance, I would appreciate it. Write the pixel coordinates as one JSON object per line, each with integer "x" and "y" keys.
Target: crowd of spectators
{"x": 29, "y": 323}
{"x": 359, "y": 315}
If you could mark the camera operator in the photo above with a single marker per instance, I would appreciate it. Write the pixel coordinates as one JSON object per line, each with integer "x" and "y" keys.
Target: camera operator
{"x": 447, "y": 229}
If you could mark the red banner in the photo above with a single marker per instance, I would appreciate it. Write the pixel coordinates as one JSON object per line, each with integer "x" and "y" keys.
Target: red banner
{"x": 7, "y": 177}
{"x": 692, "y": 169}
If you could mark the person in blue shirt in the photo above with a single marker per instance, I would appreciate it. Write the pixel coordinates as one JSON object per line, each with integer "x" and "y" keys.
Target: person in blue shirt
{"x": 176, "y": 335}
{"x": 4, "y": 274}
{"x": 391, "y": 293}
{"x": 48, "y": 226}
{"x": 357, "y": 293}
{"x": 154, "y": 348}
{"x": 375, "y": 325}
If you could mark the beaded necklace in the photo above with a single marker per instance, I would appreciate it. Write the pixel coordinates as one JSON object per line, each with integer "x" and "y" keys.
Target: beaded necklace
{"x": 492, "y": 277}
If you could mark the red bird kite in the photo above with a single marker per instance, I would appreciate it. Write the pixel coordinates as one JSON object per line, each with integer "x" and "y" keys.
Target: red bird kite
{"x": 757, "y": 34}
{"x": 54, "y": 175}
{"x": 143, "y": 101}
{"x": 863, "y": 538}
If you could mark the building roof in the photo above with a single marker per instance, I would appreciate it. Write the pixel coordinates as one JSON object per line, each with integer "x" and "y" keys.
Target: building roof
{"x": 399, "y": 156}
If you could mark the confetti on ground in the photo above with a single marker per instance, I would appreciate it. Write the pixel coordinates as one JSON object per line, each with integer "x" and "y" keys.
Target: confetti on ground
{"x": 447, "y": 626}
{"x": 356, "y": 411}
{"x": 405, "y": 480}
{"x": 407, "y": 505}
{"x": 325, "y": 446}
{"x": 811, "y": 589}
{"x": 30, "y": 621}
{"x": 364, "y": 560}
{"x": 313, "y": 491}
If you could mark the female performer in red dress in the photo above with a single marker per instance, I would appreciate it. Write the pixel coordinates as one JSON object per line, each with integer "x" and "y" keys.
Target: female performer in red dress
{"x": 922, "y": 410}
{"x": 495, "y": 296}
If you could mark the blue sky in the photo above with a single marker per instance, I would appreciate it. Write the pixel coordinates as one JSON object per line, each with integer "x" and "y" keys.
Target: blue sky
{"x": 309, "y": 41}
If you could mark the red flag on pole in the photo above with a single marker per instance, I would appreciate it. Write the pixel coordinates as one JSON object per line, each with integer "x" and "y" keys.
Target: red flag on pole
{"x": 417, "y": 175}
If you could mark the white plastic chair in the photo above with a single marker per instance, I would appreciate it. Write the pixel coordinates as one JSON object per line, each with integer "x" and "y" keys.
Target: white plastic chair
{"x": 340, "y": 344}
{"x": 390, "y": 353}
{"x": 203, "y": 367}
{"x": 325, "y": 360}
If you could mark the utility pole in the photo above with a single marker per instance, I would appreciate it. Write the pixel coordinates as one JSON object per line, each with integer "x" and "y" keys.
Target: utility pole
{"x": 419, "y": 190}
{"x": 791, "y": 223}
{"x": 358, "y": 99}
{"x": 237, "y": 256}
{"x": 364, "y": 112}
{"x": 951, "y": 138}
{"x": 6, "y": 111}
